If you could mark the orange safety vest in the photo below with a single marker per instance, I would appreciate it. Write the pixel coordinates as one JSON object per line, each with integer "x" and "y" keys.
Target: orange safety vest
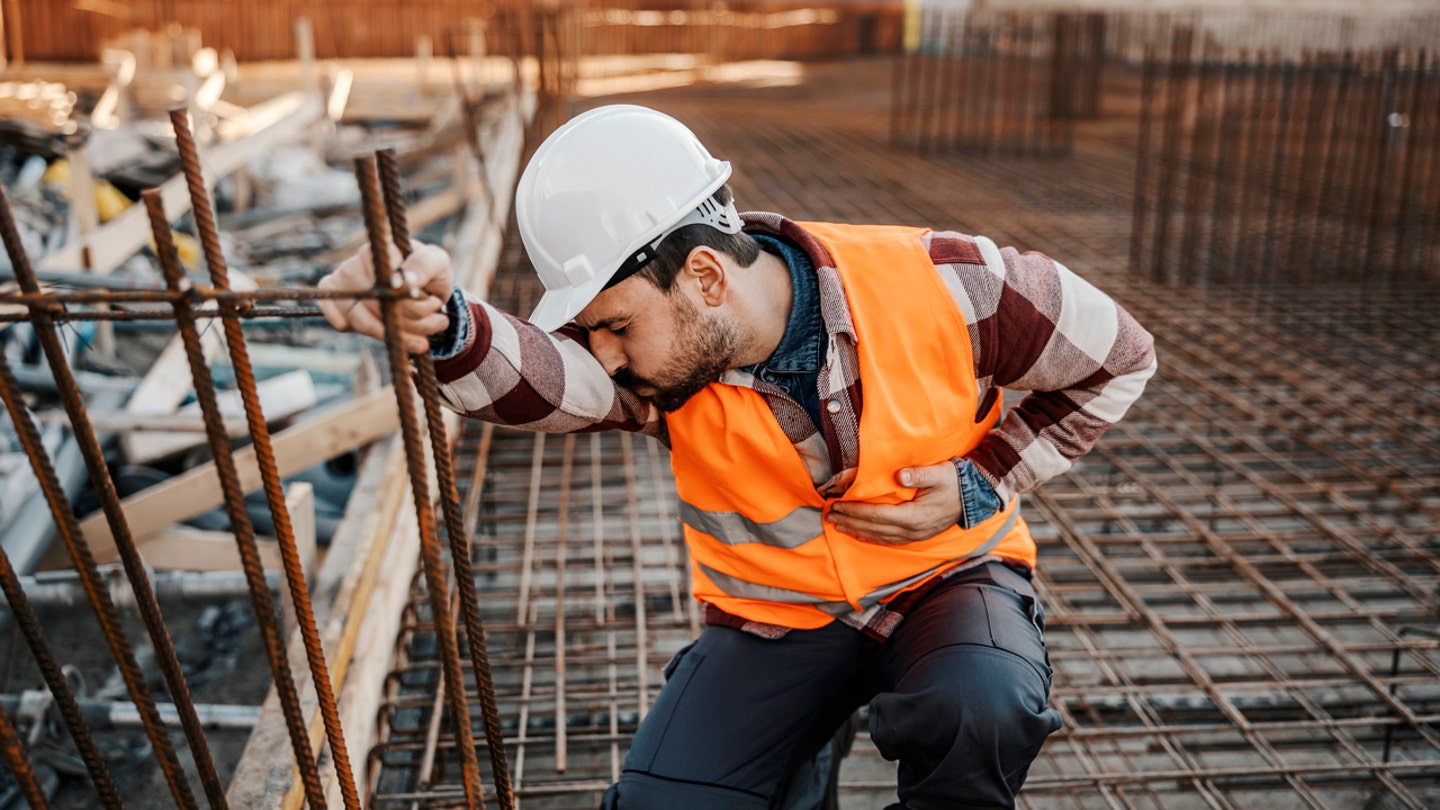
{"x": 760, "y": 547}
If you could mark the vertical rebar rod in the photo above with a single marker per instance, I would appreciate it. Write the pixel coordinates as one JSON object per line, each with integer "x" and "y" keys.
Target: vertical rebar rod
{"x": 267, "y": 618}
{"x": 1271, "y": 231}
{"x": 1202, "y": 139}
{"x": 456, "y": 527}
{"x": 637, "y": 574}
{"x": 1379, "y": 176}
{"x": 12, "y": 750}
{"x": 1177, "y": 87}
{"x": 29, "y": 624}
{"x": 597, "y": 528}
{"x": 377, "y": 229}
{"x": 1223, "y": 178}
{"x": 562, "y": 532}
{"x": 1413, "y": 146}
{"x": 1141, "y": 204}
{"x": 69, "y": 527}
{"x": 204, "y": 215}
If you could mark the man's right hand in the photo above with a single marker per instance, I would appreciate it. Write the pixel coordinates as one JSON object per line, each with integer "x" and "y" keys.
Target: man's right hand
{"x": 427, "y": 269}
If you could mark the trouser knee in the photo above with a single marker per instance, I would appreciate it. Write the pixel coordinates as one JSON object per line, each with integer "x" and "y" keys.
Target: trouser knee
{"x": 965, "y": 724}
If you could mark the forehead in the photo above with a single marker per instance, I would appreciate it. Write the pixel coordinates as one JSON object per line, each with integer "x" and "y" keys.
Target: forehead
{"x": 635, "y": 297}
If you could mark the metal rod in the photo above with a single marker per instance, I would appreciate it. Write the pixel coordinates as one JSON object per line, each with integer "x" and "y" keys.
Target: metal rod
{"x": 266, "y": 616}
{"x": 274, "y": 489}
{"x": 376, "y": 226}
{"x": 75, "y": 542}
{"x": 49, "y": 666}
{"x": 113, "y": 714}
{"x": 66, "y": 590}
{"x": 456, "y": 527}
{"x": 12, "y": 750}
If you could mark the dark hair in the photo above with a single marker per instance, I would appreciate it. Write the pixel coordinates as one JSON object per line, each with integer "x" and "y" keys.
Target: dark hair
{"x": 670, "y": 255}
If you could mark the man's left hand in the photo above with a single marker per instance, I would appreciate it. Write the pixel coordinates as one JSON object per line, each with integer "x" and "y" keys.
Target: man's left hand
{"x": 935, "y": 508}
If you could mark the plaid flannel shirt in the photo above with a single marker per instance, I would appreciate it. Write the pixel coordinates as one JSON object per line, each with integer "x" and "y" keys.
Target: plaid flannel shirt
{"x": 1034, "y": 326}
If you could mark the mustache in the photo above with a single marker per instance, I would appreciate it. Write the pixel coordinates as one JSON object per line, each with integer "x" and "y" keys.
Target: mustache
{"x": 625, "y": 378}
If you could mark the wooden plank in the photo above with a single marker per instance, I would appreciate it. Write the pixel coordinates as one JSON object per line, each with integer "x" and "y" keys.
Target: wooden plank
{"x": 182, "y": 548}
{"x": 287, "y": 118}
{"x": 371, "y": 539}
{"x": 168, "y": 381}
{"x": 298, "y": 447}
{"x": 281, "y": 397}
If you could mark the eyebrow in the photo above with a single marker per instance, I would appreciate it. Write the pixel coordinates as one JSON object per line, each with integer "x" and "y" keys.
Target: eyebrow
{"x": 603, "y": 323}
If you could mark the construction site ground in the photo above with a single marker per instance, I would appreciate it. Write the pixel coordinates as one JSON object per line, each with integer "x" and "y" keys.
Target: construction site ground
{"x": 1242, "y": 581}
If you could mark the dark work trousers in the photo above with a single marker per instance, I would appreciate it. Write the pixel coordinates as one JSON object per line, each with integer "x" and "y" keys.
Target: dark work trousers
{"x": 957, "y": 694}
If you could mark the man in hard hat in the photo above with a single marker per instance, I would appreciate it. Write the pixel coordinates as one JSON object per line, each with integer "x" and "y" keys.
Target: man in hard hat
{"x": 848, "y": 486}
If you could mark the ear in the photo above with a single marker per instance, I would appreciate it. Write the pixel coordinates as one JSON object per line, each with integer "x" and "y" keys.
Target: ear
{"x": 706, "y": 267}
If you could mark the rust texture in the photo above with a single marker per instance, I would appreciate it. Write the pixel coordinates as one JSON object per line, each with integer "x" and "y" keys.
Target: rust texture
{"x": 455, "y": 525}
{"x": 45, "y": 329}
{"x": 204, "y": 215}
{"x": 267, "y": 617}
{"x": 1310, "y": 168}
{"x": 377, "y": 228}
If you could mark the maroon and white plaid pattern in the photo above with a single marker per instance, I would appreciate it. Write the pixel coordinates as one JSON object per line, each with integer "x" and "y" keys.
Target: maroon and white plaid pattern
{"x": 1034, "y": 326}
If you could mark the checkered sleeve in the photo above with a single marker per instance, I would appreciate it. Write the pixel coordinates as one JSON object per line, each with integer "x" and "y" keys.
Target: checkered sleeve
{"x": 1035, "y": 326}
{"x": 512, "y": 373}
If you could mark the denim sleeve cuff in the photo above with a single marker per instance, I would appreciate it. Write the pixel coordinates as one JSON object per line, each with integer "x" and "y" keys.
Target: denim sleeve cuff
{"x": 978, "y": 500}
{"x": 445, "y": 345}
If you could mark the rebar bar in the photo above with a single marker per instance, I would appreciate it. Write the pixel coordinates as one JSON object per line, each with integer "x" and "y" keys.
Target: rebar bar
{"x": 12, "y": 750}
{"x": 49, "y": 666}
{"x": 204, "y": 216}
{"x": 80, "y": 553}
{"x": 455, "y": 524}
{"x": 376, "y": 226}
{"x": 266, "y": 617}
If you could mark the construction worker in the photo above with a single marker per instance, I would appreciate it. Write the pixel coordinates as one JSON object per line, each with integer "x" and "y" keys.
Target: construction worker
{"x": 848, "y": 485}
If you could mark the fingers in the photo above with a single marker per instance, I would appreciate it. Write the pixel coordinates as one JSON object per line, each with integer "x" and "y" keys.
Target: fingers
{"x": 934, "y": 508}
{"x": 934, "y": 475}
{"x": 428, "y": 269}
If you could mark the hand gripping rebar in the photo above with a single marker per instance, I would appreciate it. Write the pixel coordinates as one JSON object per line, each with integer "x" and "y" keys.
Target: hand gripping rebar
{"x": 455, "y": 525}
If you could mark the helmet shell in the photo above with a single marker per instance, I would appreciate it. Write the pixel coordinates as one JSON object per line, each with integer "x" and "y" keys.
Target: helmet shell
{"x": 603, "y": 185}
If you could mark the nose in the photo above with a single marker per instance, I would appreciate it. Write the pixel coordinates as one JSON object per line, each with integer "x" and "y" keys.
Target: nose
{"x": 606, "y": 349}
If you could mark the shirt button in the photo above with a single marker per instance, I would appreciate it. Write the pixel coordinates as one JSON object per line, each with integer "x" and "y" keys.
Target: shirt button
{"x": 833, "y": 406}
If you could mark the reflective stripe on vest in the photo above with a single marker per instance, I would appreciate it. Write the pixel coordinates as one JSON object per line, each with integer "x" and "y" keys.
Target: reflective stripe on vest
{"x": 732, "y": 528}
{"x": 737, "y": 587}
{"x": 759, "y": 545}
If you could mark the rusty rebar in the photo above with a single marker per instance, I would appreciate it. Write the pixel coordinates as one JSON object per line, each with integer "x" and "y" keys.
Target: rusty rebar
{"x": 12, "y": 750}
{"x": 29, "y": 624}
{"x": 266, "y": 616}
{"x": 204, "y": 217}
{"x": 1319, "y": 173}
{"x": 455, "y": 524}
{"x": 376, "y": 226}
{"x": 69, "y": 528}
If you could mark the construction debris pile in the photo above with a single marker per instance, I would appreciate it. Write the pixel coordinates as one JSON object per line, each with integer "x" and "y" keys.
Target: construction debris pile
{"x": 268, "y": 158}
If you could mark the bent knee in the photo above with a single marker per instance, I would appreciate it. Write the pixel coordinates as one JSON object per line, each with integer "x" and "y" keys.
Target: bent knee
{"x": 965, "y": 700}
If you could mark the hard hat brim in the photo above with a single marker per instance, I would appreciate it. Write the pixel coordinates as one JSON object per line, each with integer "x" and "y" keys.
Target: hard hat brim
{"x": 559, "y": 307}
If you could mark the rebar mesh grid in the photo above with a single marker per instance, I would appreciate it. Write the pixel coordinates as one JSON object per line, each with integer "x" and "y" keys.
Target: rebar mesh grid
{"x": 1242, "y": 580}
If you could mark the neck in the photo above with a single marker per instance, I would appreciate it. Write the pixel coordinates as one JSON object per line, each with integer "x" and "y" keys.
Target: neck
{"x": 765, "y": 311}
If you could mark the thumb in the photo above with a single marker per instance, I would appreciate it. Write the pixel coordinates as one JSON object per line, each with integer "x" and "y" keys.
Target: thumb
{"x": 924, "y": 477}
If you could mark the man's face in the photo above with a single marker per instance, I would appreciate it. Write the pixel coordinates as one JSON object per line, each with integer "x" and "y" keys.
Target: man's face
{"x": 658, "y": 344}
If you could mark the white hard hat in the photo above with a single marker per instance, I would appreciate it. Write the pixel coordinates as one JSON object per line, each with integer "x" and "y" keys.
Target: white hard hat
{"x": 602, "y": 192}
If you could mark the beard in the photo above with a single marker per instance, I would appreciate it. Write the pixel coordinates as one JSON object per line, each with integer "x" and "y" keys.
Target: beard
{"x": 703, "y": 351}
